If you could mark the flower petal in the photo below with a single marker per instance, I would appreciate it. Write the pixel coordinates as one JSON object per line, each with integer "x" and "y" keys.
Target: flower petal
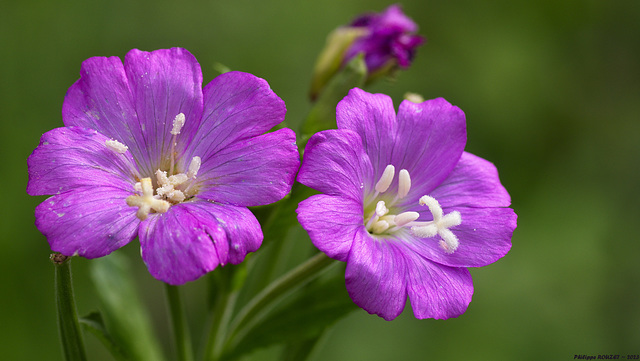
{"x": 87, "y": 221}
{"x": 373, "y": 117}
{"x": 437, "y": 291}
{"x": 335, "y": 163}
{"x": 430, "y": 140}
{"x": 72, "y": 157}
{"x": 376, "y": 275}
{"x": 331, "y": 222}
{"x": 484, "y": 236}
{"x": 193, "y": 238}
{"x": 101, "y": 100}
{"x": 164, "y": 83}
{"x": 474, "y": 182}
{"x": 237, "y": 106}
{"x": 251, "y": 172}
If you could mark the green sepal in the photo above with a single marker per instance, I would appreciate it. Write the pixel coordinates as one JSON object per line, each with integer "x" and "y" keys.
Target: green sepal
{"x": 124, "y": 315}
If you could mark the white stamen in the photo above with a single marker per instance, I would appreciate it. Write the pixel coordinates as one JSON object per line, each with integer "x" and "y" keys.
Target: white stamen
{"x": 138, "y": 187}
{"x": 147, "y": 202}
{"x": 116, "y": 146}
{"x": 386, "y": 179}
{"x": 406, "y": 217}
{"x": 380, "y": 227}
{"x": 404, "y": 183}
{"x": 381, "y": 209}
{"x": 194, "y": 167}
{"x": 178, "y": 123}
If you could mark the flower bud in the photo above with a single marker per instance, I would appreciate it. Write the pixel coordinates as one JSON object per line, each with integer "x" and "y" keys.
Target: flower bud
{"x": 387, "y": 41}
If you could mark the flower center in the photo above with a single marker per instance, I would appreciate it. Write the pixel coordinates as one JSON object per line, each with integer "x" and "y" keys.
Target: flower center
{"x": 385, "y": 221}
{"x": 171, "y": 188}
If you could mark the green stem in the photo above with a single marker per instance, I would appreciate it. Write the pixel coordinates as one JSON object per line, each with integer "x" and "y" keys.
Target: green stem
{"x": 262, "y": 302}
{"x": 179, "y": 323}
{"x": 223, "y": 308}
{"x": 68, "y": 325}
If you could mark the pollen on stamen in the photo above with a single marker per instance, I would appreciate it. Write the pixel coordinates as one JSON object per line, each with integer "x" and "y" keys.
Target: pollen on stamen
{"x": 404, "y": 183}
{"x": 386, "y": 179}
{"x": 116, "y": 146}
{"x": 178, "y": 123}
{"x": 194, "y": 167}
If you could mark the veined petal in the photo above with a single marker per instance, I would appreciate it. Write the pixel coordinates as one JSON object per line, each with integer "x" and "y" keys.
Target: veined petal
{"x": 332, "y": 223}
{"x": 474, "y": 182}
{"x": 164, "y": 83}
{"x": 376, "y": 275}
{"x": 251, "y": 172}
{"x": 484, "y": 236}
{"x": 335, "y": 163}
{"x": 373, "y": 117}
{"x": 437, "y": 291}
{"x": 101, "y": 100}
{"x": 193, "y": 238}
{"x": 243, "y": 230}
{"x": 237, "y": 106}
{"x": 430, "y": 140}
{"x": 87, "y": 221}
{"x": 72, "y": 157}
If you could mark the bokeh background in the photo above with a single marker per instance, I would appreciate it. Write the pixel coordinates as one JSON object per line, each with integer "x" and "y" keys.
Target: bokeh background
{"x": 551, "y": 90}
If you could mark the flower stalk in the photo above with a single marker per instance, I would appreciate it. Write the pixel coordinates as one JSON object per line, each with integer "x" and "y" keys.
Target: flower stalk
{"x": 265, "y": 300}
{"x": 181, "y": 332}
{"x": 68, "y": 325}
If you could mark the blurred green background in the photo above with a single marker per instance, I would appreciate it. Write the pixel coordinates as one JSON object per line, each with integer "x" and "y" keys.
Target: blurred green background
{"x": 551, "y": 90}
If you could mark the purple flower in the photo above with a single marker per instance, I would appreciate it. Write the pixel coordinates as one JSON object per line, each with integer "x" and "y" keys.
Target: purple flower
{"x": 388, "y": 39}
{"x": 403, "y": 205}
{"x": 147, "y": 152}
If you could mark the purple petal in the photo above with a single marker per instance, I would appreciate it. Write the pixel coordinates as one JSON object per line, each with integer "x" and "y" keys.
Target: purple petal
{"x": 193, "y": 238}
{"x": 237, "y": 106}
{"x": 430, "y": 140}
{"x": 101, "y": 100}
{"x": 164, "y": 83}
{"x": 484, "y": 236}
{"x": 376, "y": 275}
{"x": 72, "y": 157}
{"x": 251, "y": 172}
{"x": 241, "y": 226}
{"x": 474, "y": 182}
{"x": 87, "y": 221}
{"x": 335, "y": 163}
{"x": 437, "y": 291}
{"x": 373, "y": 117}
{"x": 332, "y": 223}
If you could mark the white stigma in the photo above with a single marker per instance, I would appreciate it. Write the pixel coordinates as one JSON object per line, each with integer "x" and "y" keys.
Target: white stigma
{"x": 147, "y": 202}
{"x": 116, "y": 146}
{"x": 386, "y": 179}
{"x": 178, "y": 123}
{"x": 440, "y": 224}
{"x": 382, "y": 219}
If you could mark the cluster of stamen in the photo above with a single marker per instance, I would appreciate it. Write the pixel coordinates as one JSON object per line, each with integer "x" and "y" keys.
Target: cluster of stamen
{"x": 381, "y": 221}
{"x": 171, "y": 188}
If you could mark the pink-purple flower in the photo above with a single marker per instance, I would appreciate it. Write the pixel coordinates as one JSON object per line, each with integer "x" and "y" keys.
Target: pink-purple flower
{"x": 147, "y": 152}
{"x": 388, "y": 39}
{"x": 404, "y": 205}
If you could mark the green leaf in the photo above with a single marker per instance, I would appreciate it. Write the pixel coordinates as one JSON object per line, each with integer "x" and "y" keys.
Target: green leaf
{"x": 302, "y": 318}
{"x": 94, "y": 323}
{"x": 124, "y": 315}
